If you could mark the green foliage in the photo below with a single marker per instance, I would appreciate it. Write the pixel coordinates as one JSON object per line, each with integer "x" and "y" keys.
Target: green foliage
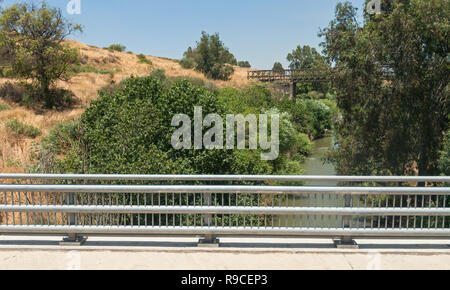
{"x": 4, "y": 107}
{"x": 303, "y": 144}
{"x": 34, "y": 38}
{"x": 244, "y": 63}
{"x": 159, "y": 74}
{"x": 18, "y": 128}
{"x": 130, "y": 131}
{"x": 210, "y": 57}
{"x": 187, "y": 63}
{"x": 143, "y": 59}
{"x": 63, "y": 140}
{"x": 311, "y": 117}
{"x": 117, "y": 47}
{"x": 321, "y": 116}
{"x": 305, "y": 57}
{"x": 391, "y": 83}
{"x": 444, "y": 160}
{"x": 278, "y": 68}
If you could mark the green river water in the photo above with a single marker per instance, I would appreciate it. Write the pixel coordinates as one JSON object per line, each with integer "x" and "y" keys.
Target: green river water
{"x": 314, "y": 165}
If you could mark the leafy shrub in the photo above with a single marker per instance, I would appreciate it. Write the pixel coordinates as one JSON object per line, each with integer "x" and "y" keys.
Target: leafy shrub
{"x": 187, "y": 63}
{"x": 321, "y": 116}
{"x": 314, "y": 95}
{"x": 18, "y": 128}
{"x": 210, "y": 57}
{"x": 130, "y": 131}
{"x": 117, "y": 47}
{"x": 28, "y": 95}
{"x": 244, "y": 64}
{"x": 63, "y": 140}
{"x": 444, "y": 160}
{"x": 278, "y": 68}
{"x": 143, "y": 59}
{"x": 4, "y": 107}
{"x": 303, "y": 144}
{"x": 159, "y": 74}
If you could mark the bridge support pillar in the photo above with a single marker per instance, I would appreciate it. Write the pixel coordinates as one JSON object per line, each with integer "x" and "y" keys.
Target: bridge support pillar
{"x": 208, "y": 241}
{"x": 292, "y": 90}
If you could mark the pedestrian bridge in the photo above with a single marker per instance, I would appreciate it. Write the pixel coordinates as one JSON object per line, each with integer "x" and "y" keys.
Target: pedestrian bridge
{"x": 209, "y": 207}
{"x": 296, "y": 76}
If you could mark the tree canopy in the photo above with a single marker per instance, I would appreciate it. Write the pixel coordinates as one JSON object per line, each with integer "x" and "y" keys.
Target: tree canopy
{"x": 33, "y": 38}
{"x": 305, "y": 57}
{"x": 391, "y": 81}
{"x": 210, "y": 57}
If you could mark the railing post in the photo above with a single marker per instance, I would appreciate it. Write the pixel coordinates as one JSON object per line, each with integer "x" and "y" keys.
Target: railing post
{"x": 346, "y": 242}
{"x": 208, "y": 240}
{"x": 72, "y": 220}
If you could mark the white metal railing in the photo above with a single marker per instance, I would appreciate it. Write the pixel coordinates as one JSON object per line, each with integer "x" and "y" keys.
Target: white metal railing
{"x": 210, "y": 206}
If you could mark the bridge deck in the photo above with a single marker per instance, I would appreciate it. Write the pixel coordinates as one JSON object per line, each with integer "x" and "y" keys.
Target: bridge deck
{"x": 298, "y": 76}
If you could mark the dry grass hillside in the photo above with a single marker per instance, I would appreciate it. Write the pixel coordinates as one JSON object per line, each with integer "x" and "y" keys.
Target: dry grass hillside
{"x": 114, "y": 66}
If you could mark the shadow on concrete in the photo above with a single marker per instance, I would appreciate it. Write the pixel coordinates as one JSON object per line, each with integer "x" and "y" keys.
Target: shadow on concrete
{"x": 149, "y": 244}
{"x": 404, "y": 246}
{"x": 229, "y": 245}
{"x": 277, "y": 245}
{"x": 29, "y": 243}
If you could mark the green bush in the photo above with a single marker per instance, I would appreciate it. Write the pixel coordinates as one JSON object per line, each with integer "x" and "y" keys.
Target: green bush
{"x": 143, "y": 59}
{"x": 321, "y": 116}
{"x": 314, "y": 95}
{"x": 187, "y": 63}
{"x": 303, "y": 145}
{"x": 278, "y": 68}
{"x": 444, "y": 160}
{"x": 4, "y": 107}
{"x": 130, "y": 131}
{"x": 18, "y": 128}
{"x": 210, "y": 57}
{"x": 117, "y": 47}
{"x": 159, "y": 74}
{"x": 245, "y": 64}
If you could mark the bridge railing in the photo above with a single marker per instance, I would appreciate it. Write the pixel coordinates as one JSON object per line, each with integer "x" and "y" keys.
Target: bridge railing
{"x": 289, "y": 75}
{"x": 210, "y": 206}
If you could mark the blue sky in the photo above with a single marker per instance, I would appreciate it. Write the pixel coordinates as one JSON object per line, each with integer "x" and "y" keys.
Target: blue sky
{"x": 261, "y": 32}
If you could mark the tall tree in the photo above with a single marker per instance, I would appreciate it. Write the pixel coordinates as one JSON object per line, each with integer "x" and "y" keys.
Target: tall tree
{"x": 278, "y": 67}
{"x": 305, "y": 57}
{"x": 211, "y": 57}
{"x": 33, "y": 36}
{"x": 392, "y": 87}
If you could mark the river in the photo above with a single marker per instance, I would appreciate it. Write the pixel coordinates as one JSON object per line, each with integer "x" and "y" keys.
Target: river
{"x": 314, "y": 165}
